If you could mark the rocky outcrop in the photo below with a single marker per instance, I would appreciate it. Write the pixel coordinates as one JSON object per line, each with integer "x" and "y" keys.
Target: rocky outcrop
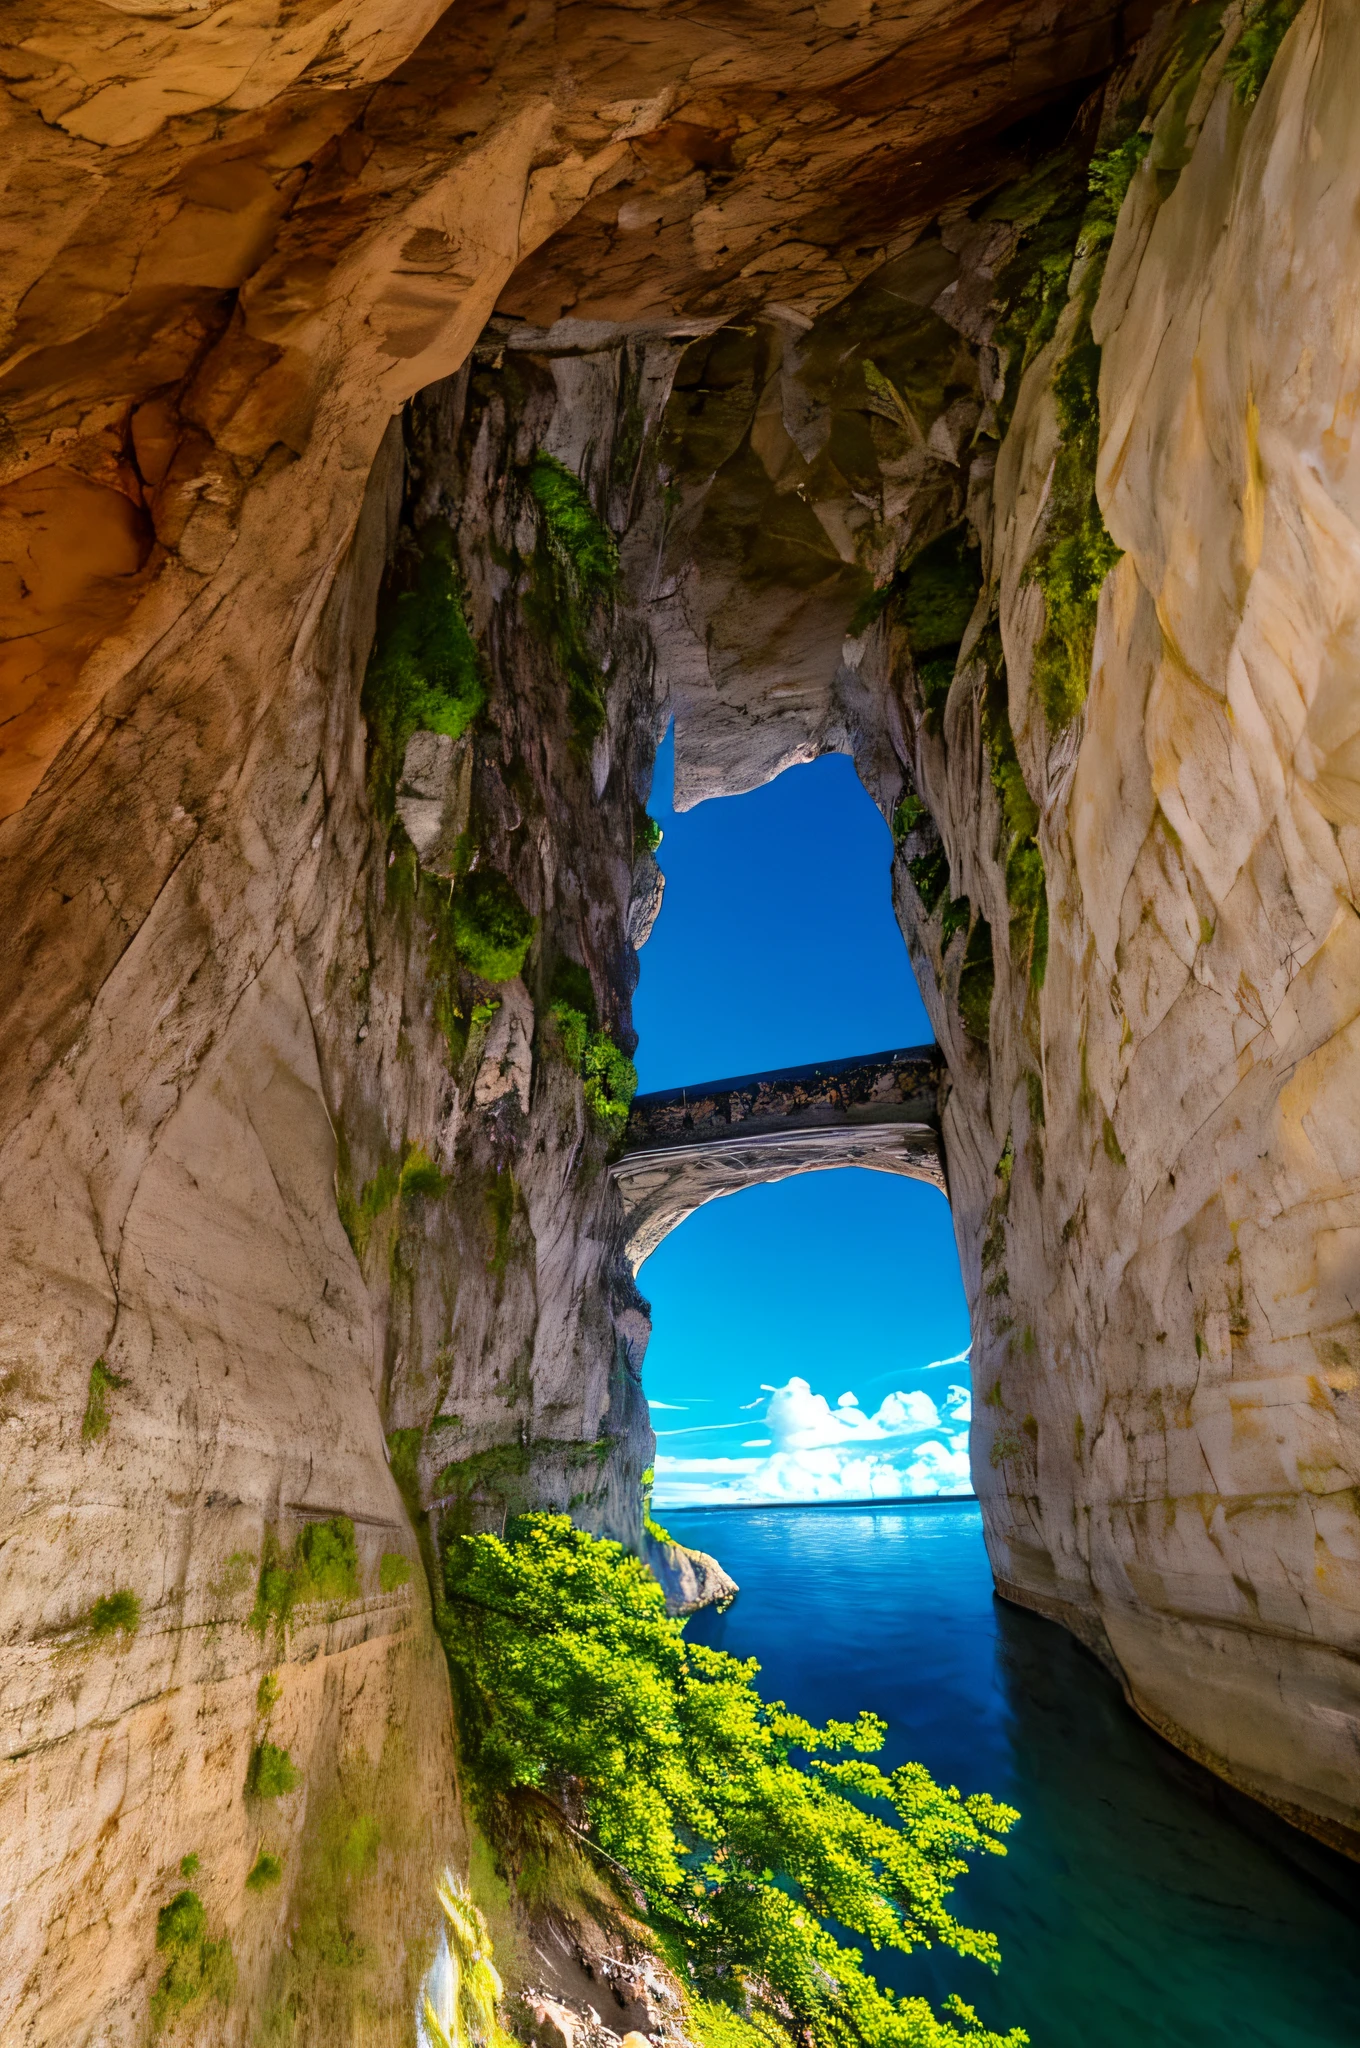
{"x": 305, "y": 1216}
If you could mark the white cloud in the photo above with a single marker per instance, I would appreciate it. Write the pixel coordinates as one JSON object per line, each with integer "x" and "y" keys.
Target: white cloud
{"x": 820, "y": 1453}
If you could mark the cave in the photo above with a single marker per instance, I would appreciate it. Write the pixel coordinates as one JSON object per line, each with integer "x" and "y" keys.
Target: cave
{"x": 407, "y": 417}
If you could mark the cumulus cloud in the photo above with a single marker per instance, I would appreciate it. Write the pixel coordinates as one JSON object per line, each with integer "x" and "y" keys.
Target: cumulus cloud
{"x": 907, "y": 1447}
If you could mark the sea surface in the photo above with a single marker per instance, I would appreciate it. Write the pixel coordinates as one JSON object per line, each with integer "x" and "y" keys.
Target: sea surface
{"x": 1141, "y": 1902}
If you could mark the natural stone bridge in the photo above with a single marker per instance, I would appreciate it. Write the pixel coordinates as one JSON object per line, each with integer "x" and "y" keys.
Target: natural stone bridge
{"x": 686, "y": 1146}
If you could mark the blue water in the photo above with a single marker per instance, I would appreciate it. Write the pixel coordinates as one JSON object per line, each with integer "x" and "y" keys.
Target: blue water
{"x": 1141, "y": 1903}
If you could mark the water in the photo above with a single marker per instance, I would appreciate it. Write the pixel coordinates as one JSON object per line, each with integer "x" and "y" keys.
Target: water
{"x": 1141, "y": 1902}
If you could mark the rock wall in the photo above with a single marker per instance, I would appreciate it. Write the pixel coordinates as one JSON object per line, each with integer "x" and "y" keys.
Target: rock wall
{"x": 242, "y": 248}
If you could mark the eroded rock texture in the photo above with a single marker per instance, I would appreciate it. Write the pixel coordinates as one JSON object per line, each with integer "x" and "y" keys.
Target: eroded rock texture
{"x": 755, "y": 281}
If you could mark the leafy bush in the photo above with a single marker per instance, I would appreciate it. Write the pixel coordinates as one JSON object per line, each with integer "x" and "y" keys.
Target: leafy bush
{"x": 609, "y": 1075}
{"x": 425, "y": 673}
{"x": 196, "y": 1968}
{"x": 1267, "y": 24}
{"x": 610, "y": 1083}
{"x": 266, "y": 1871}
{"x": 568, "y": 1670}
{"x": 910, "y": 813}
{"x": 188, "y": 1865}
{"x": 96, "y": 1419}
{"x": 492, "y": 929}
{"x": 272, "y": 1772}
{"x": 1108, "y": 180}
{"x": 393, "y": 1571}
{"x": 116, "y": 1614}
{"x": 651, "y": 835}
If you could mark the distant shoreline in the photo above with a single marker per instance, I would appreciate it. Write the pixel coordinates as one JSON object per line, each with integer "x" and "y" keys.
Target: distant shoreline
{"x": 760, "y": 1507}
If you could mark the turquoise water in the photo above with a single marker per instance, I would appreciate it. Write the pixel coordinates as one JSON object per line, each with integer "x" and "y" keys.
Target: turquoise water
{"x": 1140, "y": 1902}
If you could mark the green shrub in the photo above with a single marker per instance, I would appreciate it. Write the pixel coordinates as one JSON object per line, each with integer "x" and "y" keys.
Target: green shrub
{"x": 567, "y": 1669}
{"x": 116, "y": 1614}
{"x": 266, "y": 1871}
{"x": 420, "y": 1175}
{"x": 425, "y": 673}
{"x": 196, "y": 1968}
{"x": 188, "y": 1865}
{"x": 954, "y": 918}
{"x": 492, "y": 929}
{"x": 1108, "y": 180}
{"x": 573, "y": 1033}
{"x": 933, "y": 597}
{"x": 268, "y": 1693}
{"x": 272, "y": 1772}
{"x": 910, "y": 813}
{"x": 96, "y": 1420}
{"x": 393, "y": 1571}
{"x": 1267, "y": 24}
{"x": 930, "y": 875}
{"x": 328, "y": 1561}
{"x": 610, "y": 1083}
{"x": 651, "y": 835}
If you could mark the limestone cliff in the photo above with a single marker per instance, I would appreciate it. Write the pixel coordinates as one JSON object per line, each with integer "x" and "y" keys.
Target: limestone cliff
{"x": 305, "y": 1217}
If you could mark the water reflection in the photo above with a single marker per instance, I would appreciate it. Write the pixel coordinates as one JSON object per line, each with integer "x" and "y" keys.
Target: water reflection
{"x": 1141, "y": 1902}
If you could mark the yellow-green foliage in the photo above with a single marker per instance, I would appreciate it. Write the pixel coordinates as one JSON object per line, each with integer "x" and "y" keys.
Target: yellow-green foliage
{"x": 1267, "y": 24}
{"x": 271, "y": 1773}
{"x": 268, "y": 1693}
{"x": 116, "y": 1614}
{"x": 425, "y": 673}
{"x": 491, "y": 927}
{"x": 419, "y": 1175}
{"x": 977, "y": 981}
{"x": 717, "y": 2026}
{"x": 393, "y": 1571}
{"x": 462, "y": 1990}
{"x": 196, "y": 1968}
{"x": 609, "y": 1076}
{"x": 102, "y": 1382}
{"x": 567, "y": 1668}
{"x": 266, "y": 1871}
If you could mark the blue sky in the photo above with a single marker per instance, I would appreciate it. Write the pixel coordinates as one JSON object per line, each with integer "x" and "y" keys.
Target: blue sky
{"x": 809, "y": 1337}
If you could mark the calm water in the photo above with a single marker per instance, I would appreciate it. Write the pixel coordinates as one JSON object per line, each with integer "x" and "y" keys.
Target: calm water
{"x": 1140, "y": 1902}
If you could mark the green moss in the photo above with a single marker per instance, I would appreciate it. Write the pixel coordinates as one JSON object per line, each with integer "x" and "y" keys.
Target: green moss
{"x": 1019, "y": 852}
{"x": 323, "y": 1565}
{"x": 188, "y": 1865}
{"x": 1078, "y": 553}
{"x": 571, "y": 985}
{"x": 491, "y": 928}
{"x": 977, "y": 981}
{"x": 328, "y": 1561}
{"x": 910, "y": 813}
{"x": 197, "y": 1969}
{"x": 954, "y": 918}
{"x": 96, "y": 1420}
{"x": 266, "y": 1871}
{"x": 933, "y": 599}
{"x": 272, "y": 1774}
{"x": 1109, "y": 1138}
{"x": 403, "y": 1452}
{"x": 425, "y": 673}
{"x": 268, "y": 1694}
{"x": 116, "y": 1614}
{"x": 498, "y": 1475}
{"x": 575, "y": 566}
{"x": 1107, "y": 180}
{"x": 930, "y": 876}
{"x": 1267, "y": 24}
{"x": 576, "y": 535}
{"x": 420, "y": 1176}
{"x": 393, "y": 1571}
{"x": 502, "y": 1198}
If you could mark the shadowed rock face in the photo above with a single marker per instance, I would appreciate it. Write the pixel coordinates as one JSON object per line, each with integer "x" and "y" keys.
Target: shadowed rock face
{"x": 743, "y": 275}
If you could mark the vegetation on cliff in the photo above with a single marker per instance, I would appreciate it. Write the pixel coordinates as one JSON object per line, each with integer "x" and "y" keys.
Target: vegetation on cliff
{"x": 426, "y": 672}
{"x": 609, "y": 1076}
{"x": 197, "y": 1968}
{"x": 745, "y": 1829}
{"x": 576, "y": 565}
{"x": 1265, "y": 28}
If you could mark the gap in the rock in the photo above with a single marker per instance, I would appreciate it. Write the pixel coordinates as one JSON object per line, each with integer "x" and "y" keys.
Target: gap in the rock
{"x": 809, "y": 1337}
